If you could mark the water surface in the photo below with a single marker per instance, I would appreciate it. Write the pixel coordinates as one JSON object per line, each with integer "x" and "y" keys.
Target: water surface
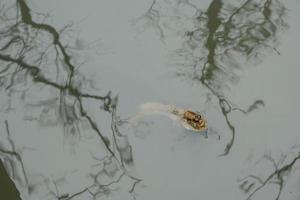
{"x": 72, "y": 73}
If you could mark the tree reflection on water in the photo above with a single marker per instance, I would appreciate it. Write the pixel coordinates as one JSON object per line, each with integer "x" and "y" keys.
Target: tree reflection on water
{"x": 38, "y": 72}
{"x": 36, "y": 58}
{"x": 232, "y": 34}
{"x": 282, "y": 167}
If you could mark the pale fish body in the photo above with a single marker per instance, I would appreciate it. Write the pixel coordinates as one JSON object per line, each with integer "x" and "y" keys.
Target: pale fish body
{"x": 189, "y": 120}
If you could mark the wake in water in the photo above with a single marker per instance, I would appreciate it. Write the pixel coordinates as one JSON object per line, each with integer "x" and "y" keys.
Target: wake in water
{"x": 190, "y": 120}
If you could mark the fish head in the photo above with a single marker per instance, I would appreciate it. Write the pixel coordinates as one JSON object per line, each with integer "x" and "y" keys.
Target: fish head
{"x": 194, "y": 121}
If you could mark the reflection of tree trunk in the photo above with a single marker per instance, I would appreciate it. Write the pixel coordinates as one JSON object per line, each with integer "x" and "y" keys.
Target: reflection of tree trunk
{"x": 211, "y": 65}
{"x": 212, "y": 25}
{"x": 8, "y": 189}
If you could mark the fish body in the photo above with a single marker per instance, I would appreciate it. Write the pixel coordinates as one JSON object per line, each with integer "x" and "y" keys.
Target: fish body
{"x": 190, "y": 120}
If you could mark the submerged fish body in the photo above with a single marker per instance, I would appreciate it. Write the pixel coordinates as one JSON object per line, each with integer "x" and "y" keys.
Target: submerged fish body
{"x": 190, "y": 120}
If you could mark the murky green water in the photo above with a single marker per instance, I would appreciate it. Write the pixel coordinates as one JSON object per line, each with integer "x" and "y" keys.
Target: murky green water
{"x": 73, "y": 75}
